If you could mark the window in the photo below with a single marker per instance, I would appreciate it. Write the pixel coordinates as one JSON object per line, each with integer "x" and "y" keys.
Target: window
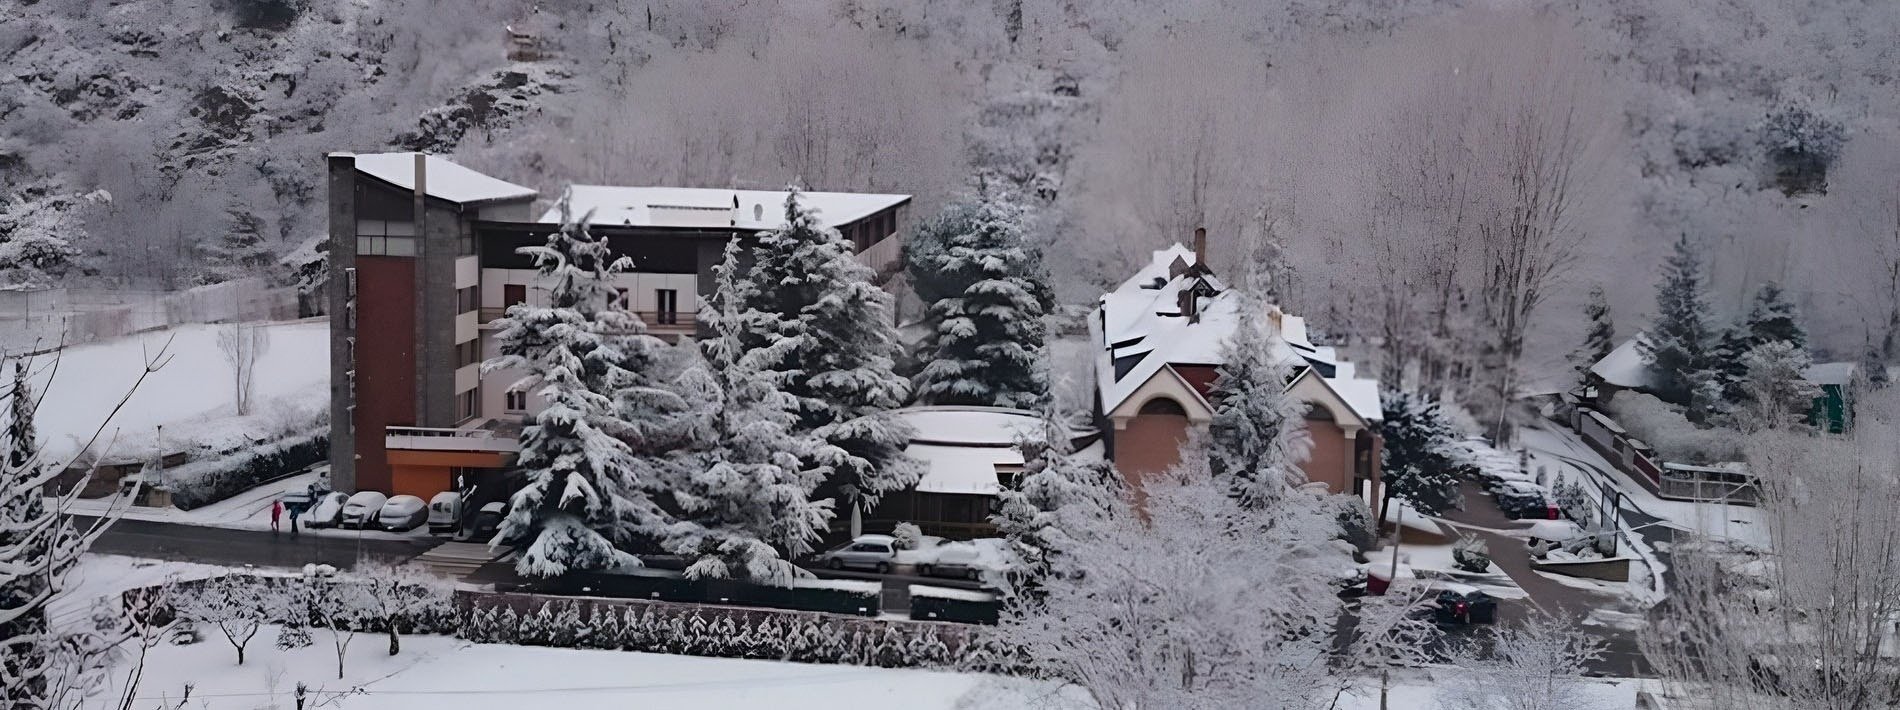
{"x": 515, "y": 401}
{"x": 626, "y": 299}
{"x": 512, "y": 294}
{"x": 467, "y": 403}
{"x": 667, "y": 312}
{"x": 385, "y": 246}
{"x": 468, "y": 353}
{"x": 467, "y": 299}
{"x": 375, "y": 237}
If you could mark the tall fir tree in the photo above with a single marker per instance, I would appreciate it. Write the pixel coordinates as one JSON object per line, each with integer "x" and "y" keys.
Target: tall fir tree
{"x": 1679, "y": 343}
{"x": 745, "y": 489}
{"x": 1416, "y": 465}
{"x": 1056, "y": 487}
{"x": 1257, "y": 437}
{"x": 1771, "y": 318}
{"x": 839, "y": 362}
{"x": 1599, "y": 335}
{"x": 988, "y": 295}
{"x": 241, "y": 250}
{"x": 589, "y": 456}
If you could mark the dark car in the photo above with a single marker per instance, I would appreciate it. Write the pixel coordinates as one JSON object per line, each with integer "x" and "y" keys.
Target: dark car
{"x": 1459, "y": 605}
{"x": 1519, "y": 506}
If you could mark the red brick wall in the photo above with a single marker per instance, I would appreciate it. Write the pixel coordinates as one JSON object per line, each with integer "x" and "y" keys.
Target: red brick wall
{"x": 385, "y": 360}
{"x": 1331, "y": 451}
{"x": 1149, "y": 445}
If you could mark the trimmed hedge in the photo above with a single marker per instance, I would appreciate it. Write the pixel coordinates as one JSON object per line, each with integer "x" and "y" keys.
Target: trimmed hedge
{"x": 201, "y": 483}
{"x": 707, "y": 591}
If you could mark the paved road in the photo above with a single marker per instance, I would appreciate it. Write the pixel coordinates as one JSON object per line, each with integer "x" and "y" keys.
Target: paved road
{"x": 1622, "y": 657}
{"x": 227, "y": 546}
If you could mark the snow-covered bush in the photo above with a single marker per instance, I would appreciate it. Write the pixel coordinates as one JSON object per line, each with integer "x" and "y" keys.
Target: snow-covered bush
{"x": 1665, "y": 428}
{"x": 1471, "y": 554}
{"x": 1801, "y": 143}
{"x": 907, "y": 535}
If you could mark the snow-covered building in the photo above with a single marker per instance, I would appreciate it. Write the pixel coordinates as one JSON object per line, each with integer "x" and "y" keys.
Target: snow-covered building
{"x": 1158, "y": 340}
{"x": 968, "y": 454}
{"x": 422, "y": 260}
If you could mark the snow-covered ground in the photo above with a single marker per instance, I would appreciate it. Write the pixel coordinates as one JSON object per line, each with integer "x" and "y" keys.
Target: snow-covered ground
{"x": 1557, "y": 450}
{"x": 191, "y": 395}
{"x": 452, "y": 674}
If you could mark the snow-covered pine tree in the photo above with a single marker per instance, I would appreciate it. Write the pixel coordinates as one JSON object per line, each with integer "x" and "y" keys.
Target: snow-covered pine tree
{"x": 839, "y": 366}
{"x": 240, "y": 251}
{"x": 1598, "y": 337}
{"x": 987, "y": 293}
{"x": 1257, "y": 438}
{"x": 1415, "y": 464}
{"x": 1679, "y": 344}
{"x": 40, "y": 666}
{"x": 22, "y": 438}
{"x": 744, "y": 491}
{"x": 590, "y": 474}
{"x": 1771, "y": 318}
{"x": 1056, "y": 486}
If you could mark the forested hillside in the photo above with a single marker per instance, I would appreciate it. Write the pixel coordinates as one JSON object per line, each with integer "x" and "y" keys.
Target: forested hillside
{"x": 1352, "y": 149}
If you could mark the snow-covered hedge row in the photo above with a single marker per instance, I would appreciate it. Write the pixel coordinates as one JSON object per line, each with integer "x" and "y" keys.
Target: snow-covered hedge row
{"x": 663, "y": 627}
{"x": 203, "y": 482}
{"x": 1664, "y": 427}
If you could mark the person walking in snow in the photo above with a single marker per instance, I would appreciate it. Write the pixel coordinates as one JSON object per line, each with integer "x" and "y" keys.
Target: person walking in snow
{"x": 276, "y": 512}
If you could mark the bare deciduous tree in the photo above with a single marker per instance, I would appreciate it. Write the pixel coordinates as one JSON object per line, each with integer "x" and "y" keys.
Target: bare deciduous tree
{"x": 1536, "y": 664}
{"x": 399, "y": 595}
{"x": 1808, "y": 623}
{"x": 242, "y": 344}
{"x": 234, "y": 604}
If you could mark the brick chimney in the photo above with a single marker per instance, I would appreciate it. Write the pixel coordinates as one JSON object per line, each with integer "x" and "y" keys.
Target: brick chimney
{"x": 1200, "y": 246}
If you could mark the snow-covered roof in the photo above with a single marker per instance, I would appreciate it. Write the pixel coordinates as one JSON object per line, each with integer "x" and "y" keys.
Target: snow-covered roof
{"x": 1141, "y": 317}
{"x": 967, "y": 470}
{"x": 1626, "y": 366}
{"x": 966, "y": 426}
{"x": 693, "y": 207}
{"x": 1829, "y": 373}
{"x": 446, "y": 180}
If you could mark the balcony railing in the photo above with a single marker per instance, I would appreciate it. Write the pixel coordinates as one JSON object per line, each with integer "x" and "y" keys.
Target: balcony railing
{"x": 438, "y": 439}
{"x": 675, "y": 322}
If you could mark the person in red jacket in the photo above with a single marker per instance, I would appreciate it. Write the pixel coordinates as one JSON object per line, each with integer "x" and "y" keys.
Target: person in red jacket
{"x": 276, "y": 512}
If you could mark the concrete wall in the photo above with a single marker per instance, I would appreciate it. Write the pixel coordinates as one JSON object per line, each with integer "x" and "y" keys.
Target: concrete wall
{"x": 342, "y": 216}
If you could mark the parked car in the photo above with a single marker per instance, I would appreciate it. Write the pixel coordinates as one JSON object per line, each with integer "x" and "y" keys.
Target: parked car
{"x": 872, "y": 552}
{"x": 1547, "y": 535}
{"x": 445, "y": 512}
{"x": 953, "y": 559}
{"x": 487, "y": 522}
{"x": 403, "y": 513}
{"x": 361, "y": 510}
{"x": 1461, "y": 604}
{"x": 1519, "y": 506}
{"x": 328, "y": 512}
{"x": 295, "y": 496}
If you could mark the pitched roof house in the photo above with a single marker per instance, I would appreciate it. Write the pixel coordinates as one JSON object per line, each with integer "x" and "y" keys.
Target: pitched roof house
{"x": 1158, "y": 341}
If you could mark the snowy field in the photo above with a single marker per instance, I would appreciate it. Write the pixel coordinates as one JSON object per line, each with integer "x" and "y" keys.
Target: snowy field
{"x": 191, "y": 396}
{"x": 450, "y": 674}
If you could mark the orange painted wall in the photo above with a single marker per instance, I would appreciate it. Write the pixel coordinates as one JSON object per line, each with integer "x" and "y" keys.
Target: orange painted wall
{"x": 426, "y": 473}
